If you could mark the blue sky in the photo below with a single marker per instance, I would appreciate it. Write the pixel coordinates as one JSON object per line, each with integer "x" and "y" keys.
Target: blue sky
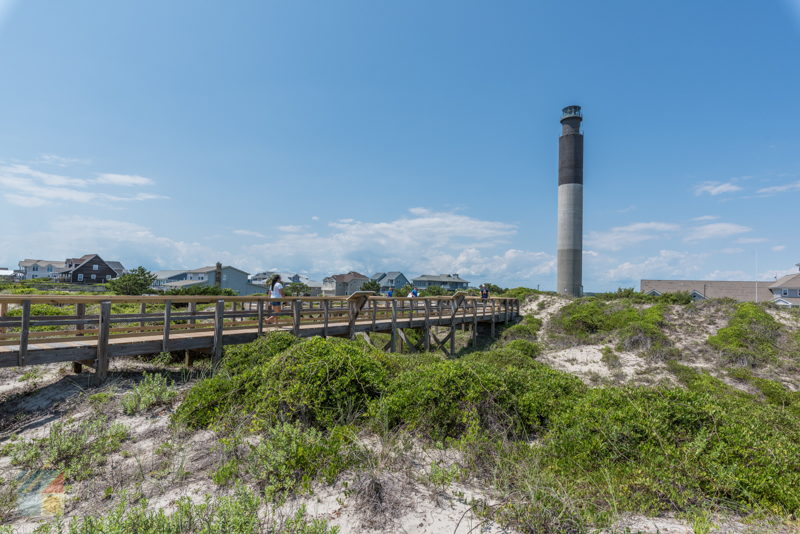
{"x": 418, "y": 136}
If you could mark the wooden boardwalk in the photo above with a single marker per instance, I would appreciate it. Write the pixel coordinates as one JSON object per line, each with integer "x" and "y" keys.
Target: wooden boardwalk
{"x": 92, "y": 329}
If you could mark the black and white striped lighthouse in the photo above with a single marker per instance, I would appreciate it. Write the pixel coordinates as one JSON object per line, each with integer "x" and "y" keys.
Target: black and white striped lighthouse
{"x": 569, "y": 247}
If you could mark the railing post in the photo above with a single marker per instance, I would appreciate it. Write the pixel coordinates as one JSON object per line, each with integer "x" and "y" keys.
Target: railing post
{"x": 219, "y": 318}
{"x": 142, "y": 311}
{"x": 494, "y": 317}
{"x": 454, "y": 306}
{"x": 167, "y": 321}
{"x": 505, "y": 310}
{"x": 427, "y": 325}
{"x": 80, "y": 313}
{"x": 260, "y": 308}
{"x": 325, "y": 311}
{"x": 393, "y": 341}
{"x": 3, "y": 314}
{"x": 474, "y": 323}
{"x": 296, "y": 305}
{"x": 23, "y": 332}
{"x": 374, "y": 313}
{"x": 193, "y": 311}
{"x": 104, "y": 325}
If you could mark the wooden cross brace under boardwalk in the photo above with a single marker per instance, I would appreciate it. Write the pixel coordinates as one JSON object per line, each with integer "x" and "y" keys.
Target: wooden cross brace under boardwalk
{"x": 91, "y": 330}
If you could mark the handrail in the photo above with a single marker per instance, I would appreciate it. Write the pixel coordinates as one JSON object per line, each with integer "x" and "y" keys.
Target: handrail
{"x": 103, "y": 331}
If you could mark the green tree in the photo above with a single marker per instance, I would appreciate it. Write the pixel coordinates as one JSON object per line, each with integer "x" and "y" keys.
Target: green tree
{"x": 371, "y": 285}
{"x": 403, "y": 291}
{"x": 296, "y": 289}
{"x": 434, "y": 291}
{"x": 136, "y": 282}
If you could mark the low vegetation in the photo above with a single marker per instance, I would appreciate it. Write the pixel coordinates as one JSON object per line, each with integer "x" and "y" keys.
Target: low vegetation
{"x": 74, "y": 447}
{"x": 752, "y": 337}
{"x": 153, "y": 390}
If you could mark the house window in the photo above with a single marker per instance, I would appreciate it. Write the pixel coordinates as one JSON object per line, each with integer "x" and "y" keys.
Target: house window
{"x": 36, "y": 276}
{"x": 785, "y": 292}
{"x": 94, "y": 276}
{"x": 95, "y": 267}
{"x": 80, "y": 277}
{"x": 35, "y": 268}
{"x": 108, "y": 277}
{"x": 49, "y": 268}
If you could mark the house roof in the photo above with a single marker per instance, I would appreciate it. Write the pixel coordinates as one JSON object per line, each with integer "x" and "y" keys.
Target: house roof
{"x": 790, "y": 281}
{"x": 117, "y": 266}
{"x": 392, "y": 275}
{"x": 55, "y": 263}
{"x": 742, "y": 291}
{"x": 345, "y": 278}
{"x": 163, "y": 275}
{"x": 80, "y": 262}
{"x": 184, "y": 283}
{"x": 213, "y": 268}
{"x": 439, "y": 278}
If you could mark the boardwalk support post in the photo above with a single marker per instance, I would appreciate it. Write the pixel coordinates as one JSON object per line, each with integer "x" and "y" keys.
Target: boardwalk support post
{"x": 80, "y": 313}
{"x": 393, "y": 341}
{"x": 219, "y": 318}
{"x": 167, "y": 321}
{"x": 101, "y": 364}
{"x": 474, "y": 324}
{"x": 356, "y": 303}
{"x": 325, "y": 313}
{"x": 296, "y": 304}
{"x": 427, "y": 329}
{"x": 23, "y": 332}
{"x": 260, "y": 309}
{"x": 494, "y": 317}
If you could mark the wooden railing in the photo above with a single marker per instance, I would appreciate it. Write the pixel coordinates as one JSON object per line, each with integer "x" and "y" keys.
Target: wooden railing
{"x": 114, "y": 325}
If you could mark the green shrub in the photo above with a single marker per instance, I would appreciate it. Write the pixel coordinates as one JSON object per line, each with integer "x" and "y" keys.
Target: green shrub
{"x": 153, "y": 390}
{"x": 288, "y": 458}
{"x": 751, "y": 337}
{"x": 451, "y": 398}
{"x": 653, "y": 450}
{"x": 240, "y": 358}
{"x": 316, "y": 381}
{"x": 39, "y": 310}
{"x": 528, "y": 329}
{"x": 774, "y": 392}
{"x": 528, "y": 348}
{"x": 75, "y": 448}
{"x": 8, "y": 498}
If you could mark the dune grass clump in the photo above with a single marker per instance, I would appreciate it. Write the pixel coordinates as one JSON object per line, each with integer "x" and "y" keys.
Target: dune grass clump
{"x": 751, "y": 338}
{"x": 239, "y": 513}
{"x": 153, "y": 390}
{"x": 288, "y": 458}
{"x": 74, "y": 447}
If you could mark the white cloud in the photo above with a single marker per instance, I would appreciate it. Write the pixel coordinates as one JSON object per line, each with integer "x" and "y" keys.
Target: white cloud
{"x": 727, "y": 275}
{"x": 314, "y": 218}
{"x": 59, "y": 161}
{"x": 780, "y": 188}
{"x": 751, "y": 240}
{"x": 620, "y": 237}
{"x": 715, "y": 188}
{"x": 125, "y": 180}
{"x": 667, "y": 264}
{"x": 716, "y": 231}
{"x": 778, "y": 248}
{"x": 292, "y": 228}
{"x": 250, "y": 233}
{"x": 28, "y": 187}
{"x": 706, "y": 218}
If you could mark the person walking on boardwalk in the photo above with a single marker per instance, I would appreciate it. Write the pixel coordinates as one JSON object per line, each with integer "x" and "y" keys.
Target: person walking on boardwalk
{"x": 413, "y": 293}
{"x": 390, "y": 293}
{"x": 275, "y": 292}
{"x": 484, "y": 293}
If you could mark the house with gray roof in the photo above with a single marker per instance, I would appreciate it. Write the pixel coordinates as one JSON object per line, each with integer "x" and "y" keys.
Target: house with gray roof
{"x": 226, "y": 276}
{"x": 391, "y": 280}
{"x": 786, "y": 290}
{"x": 450, "y": 282}
{"x": 343, "y": 284}
{"x": 47, "y": 269}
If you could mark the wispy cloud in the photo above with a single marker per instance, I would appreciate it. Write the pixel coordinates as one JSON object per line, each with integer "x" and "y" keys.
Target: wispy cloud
{"x": 249, "y": 233}
{"x": 25, "y": 186}
{"x": 779, "y": 248}
{"x": 706, "y": 218}
{"x": 666, "y": 264}
{"x": 728, "y": 275}
{"x": 795, "y": 186}
{"x": 621, "y": 237}
{"x": 716, "y": 188}
{"x": 125, "y": 180}
{"x": 716, "y": 231}
{"x": 290, "y": 228}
